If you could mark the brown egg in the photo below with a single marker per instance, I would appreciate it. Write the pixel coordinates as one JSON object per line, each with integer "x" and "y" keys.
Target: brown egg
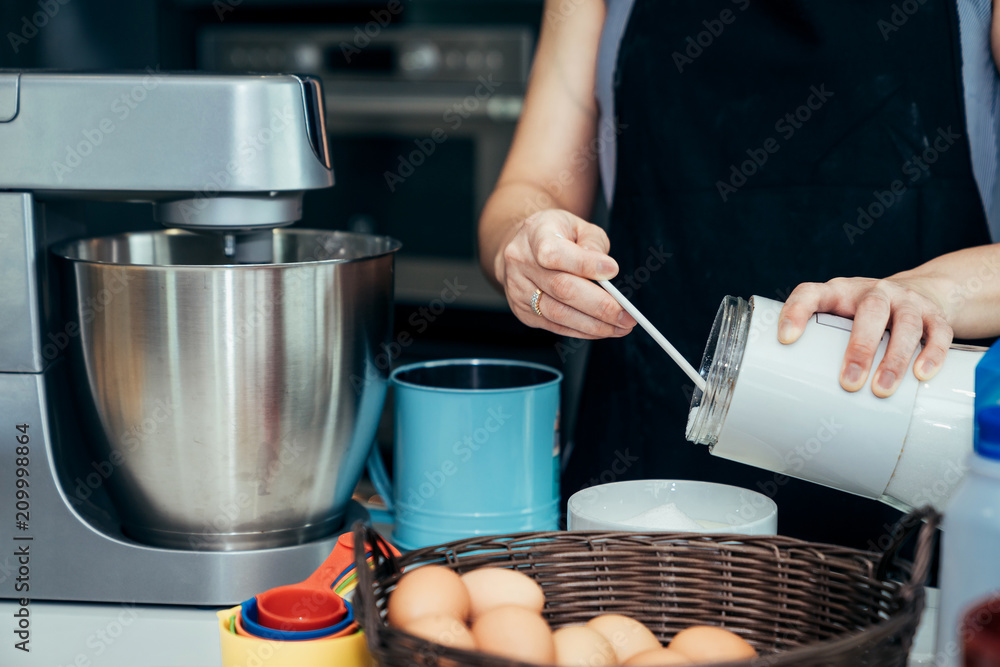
{"x": 705, "y": 643}
{"x": 516, "y": 633}
{"x": 492, "y": 587}
{"x": 442, "y": 629}
{"x": 431, "y": 589}
{"x": 627, "y": 635}
{"x": 581, "y": 646}
{"x": 656, "y": 657}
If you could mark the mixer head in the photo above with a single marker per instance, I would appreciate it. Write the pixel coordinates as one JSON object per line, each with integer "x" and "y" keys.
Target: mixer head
{"x": 230, "y": 154}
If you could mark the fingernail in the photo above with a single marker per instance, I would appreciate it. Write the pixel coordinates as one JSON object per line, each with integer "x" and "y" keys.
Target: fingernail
{"x": 886, "y": 379}
{"x": 606, "y": 270}
{"x": 787, "y": 331}
{"x": 925, "y": 369}
{"x": 853, "y": 373}
{"x": 621, "y": 332}
{"x": 625, "y": 319}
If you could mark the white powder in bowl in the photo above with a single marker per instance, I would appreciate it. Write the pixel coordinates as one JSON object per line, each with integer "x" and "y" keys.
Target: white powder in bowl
{"x": 664, "y": 517}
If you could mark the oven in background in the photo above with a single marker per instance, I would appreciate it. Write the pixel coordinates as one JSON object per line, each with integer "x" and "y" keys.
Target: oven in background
{"x": 419, "y": 120}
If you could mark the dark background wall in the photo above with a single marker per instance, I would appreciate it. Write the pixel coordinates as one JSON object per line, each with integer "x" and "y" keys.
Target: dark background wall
{"x": 102, "y": 34}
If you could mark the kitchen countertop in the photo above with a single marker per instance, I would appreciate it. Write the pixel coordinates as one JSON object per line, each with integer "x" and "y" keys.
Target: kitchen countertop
{"x": 115, "y": 635}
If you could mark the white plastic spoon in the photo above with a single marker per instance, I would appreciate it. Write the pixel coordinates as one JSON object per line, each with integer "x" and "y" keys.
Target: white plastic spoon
{"x": 657, "y": 336}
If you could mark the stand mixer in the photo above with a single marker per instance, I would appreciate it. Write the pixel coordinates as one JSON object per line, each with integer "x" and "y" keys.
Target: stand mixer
{"x": 229, "y": 157}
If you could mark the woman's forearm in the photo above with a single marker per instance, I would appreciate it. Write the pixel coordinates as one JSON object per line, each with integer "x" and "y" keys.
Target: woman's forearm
{"x": 966, "y": 285}
{"x": 551, "y": 164}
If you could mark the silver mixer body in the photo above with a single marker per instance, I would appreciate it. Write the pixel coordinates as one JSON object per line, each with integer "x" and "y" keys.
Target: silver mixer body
{"x": 176, "y": 427}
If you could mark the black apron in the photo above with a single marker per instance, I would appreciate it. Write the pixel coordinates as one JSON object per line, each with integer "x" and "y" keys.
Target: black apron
{"x": 761, "y": 144}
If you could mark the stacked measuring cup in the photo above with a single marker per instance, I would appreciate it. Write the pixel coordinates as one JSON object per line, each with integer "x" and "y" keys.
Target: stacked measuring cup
{"x": 311, "y": 622}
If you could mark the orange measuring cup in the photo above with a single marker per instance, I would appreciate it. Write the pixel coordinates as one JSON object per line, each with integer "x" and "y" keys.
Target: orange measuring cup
{"x": 311, "y": 604}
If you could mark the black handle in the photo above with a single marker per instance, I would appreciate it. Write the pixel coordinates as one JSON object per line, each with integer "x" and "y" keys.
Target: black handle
{"x": 925, "y": 520}
{"x": 384, "y": 564}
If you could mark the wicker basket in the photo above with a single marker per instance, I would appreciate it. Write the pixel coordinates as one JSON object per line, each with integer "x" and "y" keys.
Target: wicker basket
{"x": 796, "y": 602}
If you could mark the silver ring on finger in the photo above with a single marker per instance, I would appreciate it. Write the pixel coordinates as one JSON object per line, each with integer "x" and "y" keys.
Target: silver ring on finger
{"x": 534, "y": 302}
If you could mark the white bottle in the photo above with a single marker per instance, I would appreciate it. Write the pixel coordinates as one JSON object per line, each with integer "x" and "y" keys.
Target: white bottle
{"x": 781, "y": 407}
{"x": 970, "y": 549}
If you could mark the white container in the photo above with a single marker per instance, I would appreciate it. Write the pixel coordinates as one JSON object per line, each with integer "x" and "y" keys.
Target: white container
{"x": 970, "y": 549}
{"x": 673, "y": 505}
{"x": 781, "y": 407}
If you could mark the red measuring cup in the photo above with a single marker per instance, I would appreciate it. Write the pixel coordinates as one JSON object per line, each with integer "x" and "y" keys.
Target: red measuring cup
{"x": 310, "y": 605}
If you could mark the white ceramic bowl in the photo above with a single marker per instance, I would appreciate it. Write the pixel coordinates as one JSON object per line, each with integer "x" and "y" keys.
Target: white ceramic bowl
{"x": 717, "y": 508}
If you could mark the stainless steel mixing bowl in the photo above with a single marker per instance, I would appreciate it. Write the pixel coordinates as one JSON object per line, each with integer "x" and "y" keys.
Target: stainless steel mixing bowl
{"x": 229, "y": 406}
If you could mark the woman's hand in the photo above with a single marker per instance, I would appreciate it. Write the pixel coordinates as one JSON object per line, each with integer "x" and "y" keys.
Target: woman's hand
{"x": 910, "y": 307}
{"x": 561, "y": 254}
